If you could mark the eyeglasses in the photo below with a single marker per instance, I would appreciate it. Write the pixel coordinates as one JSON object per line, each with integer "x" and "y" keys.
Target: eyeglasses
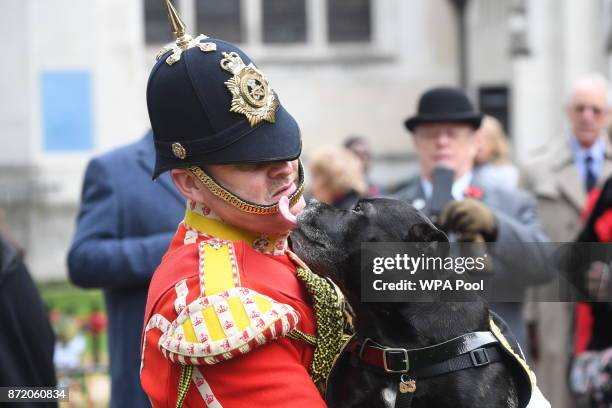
{"x": 597, "y": 110}
{"x": 451, "y": 132}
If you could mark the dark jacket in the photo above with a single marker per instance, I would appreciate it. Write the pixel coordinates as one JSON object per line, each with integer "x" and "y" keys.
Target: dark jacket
{"x": 601, "y": 332}
{"x": 26, "y": 336}
{"x": 125, "y": 224}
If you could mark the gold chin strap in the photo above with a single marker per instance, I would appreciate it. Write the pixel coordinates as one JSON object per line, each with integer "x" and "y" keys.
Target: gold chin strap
{"x": 241, "y": 204}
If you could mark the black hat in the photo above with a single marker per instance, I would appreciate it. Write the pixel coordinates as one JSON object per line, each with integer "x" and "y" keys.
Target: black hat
{"x": 444, "y": 104}
{"x": 209, "y": 104}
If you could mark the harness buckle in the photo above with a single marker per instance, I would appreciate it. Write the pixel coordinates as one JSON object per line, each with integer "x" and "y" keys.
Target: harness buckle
{"x": 386, "y": 353}
{"x": 480, "y": 357}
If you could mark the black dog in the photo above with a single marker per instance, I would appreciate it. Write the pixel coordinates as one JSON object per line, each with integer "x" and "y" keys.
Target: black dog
{"x": 328, "y": 240}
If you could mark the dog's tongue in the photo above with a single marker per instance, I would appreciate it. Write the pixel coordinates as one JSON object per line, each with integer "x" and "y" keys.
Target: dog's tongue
{"x": 283, "y": 207}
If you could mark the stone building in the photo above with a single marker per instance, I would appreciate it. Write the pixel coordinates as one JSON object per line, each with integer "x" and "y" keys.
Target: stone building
{"x": 74, "y": 77}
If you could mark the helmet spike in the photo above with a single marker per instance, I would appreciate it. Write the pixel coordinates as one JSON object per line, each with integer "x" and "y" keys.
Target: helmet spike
{"x": 177, "y": 26}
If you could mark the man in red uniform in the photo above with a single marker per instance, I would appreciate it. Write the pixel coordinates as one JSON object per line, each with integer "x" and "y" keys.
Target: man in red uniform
{"x": 230, "y": 319}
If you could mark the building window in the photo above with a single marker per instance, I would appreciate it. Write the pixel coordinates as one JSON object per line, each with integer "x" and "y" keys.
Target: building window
{"x": 495, "y": 101}
{"x": 157, "y": 28}
{"x": 219, "y": 19}
{"x": 348, "y": 21}
{"x": 284, "y": 21}
{"x": 319, "y": 26}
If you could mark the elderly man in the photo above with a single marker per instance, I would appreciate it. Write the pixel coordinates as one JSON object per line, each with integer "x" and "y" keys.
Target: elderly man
{"x": 443, "y": 131}
{"x": 233, "y": 318}
{"x": 560, "y": 180}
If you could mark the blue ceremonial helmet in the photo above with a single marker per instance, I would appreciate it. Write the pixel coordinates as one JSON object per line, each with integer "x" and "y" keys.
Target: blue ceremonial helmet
{"x": 209, "y": 104}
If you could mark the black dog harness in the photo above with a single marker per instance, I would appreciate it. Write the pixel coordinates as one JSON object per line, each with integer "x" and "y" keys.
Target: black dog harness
{"x": 476, "y": 349}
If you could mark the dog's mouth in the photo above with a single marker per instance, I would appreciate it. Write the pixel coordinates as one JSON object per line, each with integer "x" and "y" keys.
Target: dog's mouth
{"x": 302, "y": 238}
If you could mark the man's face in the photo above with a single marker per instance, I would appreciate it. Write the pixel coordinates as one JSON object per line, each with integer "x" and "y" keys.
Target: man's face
{"x": 362, "y": 150}
{"x": 448, "y": 144}
{"x": 588, "y": 113}
{"x": 263, "y": 183}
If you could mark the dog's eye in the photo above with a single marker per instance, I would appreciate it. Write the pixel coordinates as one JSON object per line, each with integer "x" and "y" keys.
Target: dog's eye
{"x": 357, "y": 208}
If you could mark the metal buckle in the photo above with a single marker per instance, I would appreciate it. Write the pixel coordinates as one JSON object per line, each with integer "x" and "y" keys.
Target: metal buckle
{"x": 396, "y": 350}
{"x": 482, "y": 353}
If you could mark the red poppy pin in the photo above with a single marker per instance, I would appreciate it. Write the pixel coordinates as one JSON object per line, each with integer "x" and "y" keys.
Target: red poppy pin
{"x": 474, "y": 192}
{"x": 603, "y": 227}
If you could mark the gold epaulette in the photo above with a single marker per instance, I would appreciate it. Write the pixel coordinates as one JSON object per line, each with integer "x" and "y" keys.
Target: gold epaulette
{"x": 330, "y": 313}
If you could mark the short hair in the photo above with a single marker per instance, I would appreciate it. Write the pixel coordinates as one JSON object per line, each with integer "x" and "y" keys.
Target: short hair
{"x": 341, "y": 170}
{"x": 592, "y": 80}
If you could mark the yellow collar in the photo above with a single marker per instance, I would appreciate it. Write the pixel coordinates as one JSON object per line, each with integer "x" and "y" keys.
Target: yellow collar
{"x": 272, "y": 244}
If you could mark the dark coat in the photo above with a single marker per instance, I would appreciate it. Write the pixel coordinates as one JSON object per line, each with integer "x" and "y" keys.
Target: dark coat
{"x": 601, "y": 332}
{"x": 26, "y": 336}
{"x": 125, "y": 224}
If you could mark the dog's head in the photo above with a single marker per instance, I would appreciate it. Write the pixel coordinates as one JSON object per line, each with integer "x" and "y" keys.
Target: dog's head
{"x": 329, "y": 240}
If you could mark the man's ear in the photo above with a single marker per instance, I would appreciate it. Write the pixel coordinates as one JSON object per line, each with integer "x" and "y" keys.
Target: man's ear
{"x": 187, "y": 185}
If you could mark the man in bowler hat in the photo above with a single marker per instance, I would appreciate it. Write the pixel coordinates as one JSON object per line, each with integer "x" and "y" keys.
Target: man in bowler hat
{"x": 443, "y": 133}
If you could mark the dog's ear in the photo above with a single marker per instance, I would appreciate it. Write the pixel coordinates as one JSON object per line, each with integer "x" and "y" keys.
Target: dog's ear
{"x": 425, "y": 232}
{"x": 429, "y": 240}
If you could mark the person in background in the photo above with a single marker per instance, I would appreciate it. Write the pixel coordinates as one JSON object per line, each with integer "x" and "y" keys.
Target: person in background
{"x": 560, "y": 179}
{"x": 26, "y": 337}
{"x": 493, "y": 163}
{"x": 360, "y": 146}
{"x": 124, "y": 226}
{"x": 589, "y": 270}
{"x": 443, "y": 131}
{"x": 337, "y": 177}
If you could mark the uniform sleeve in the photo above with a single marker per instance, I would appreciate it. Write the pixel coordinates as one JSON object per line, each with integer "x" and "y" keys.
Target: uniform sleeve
{"x": 99, "y": 257}
{"x": 234, "y": 341}
{"x": 268, "y": 377}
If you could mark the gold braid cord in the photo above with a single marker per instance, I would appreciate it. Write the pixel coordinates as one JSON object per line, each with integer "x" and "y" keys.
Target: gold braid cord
{"x": 504, "y": 342}
{"x": 328, "y": 303}
{"x": 238, "y": 202}
{"x": 296, "y": 334}
{"x": 184, "y": 382}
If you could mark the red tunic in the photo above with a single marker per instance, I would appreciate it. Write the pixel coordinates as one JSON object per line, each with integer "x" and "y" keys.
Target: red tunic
{"x": 221, "y": 305}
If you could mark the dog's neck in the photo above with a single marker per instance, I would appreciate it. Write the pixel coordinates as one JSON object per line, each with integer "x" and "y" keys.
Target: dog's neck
{"x": 405, "y": 326}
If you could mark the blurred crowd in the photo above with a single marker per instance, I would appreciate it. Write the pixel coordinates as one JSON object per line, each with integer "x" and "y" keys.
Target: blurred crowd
{"x": 564, "y": 195}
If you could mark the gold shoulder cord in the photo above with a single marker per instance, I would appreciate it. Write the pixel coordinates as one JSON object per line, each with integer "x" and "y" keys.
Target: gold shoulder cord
{"x": 328, "y": 304}
{"x": 184, "y": 382}
{"x": 240, "y": 203}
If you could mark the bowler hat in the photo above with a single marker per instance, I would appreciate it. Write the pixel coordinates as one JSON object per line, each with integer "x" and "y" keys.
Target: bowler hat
{"x": 444, "y": 104}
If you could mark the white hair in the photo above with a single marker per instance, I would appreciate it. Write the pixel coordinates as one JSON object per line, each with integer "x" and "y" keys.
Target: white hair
{"x": 593, "y": 81}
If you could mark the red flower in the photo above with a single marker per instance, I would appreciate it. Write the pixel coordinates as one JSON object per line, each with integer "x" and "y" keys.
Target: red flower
{"x": 474, "y": 192}
{"x": 603, "y": 226}
{"x": 589, "y": 204}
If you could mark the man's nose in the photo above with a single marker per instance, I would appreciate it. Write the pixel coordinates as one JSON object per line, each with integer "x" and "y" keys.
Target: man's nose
{"x": 588, "y": 114}
{"x": 442, "y": 138}
{"x": 280, "y": 169}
